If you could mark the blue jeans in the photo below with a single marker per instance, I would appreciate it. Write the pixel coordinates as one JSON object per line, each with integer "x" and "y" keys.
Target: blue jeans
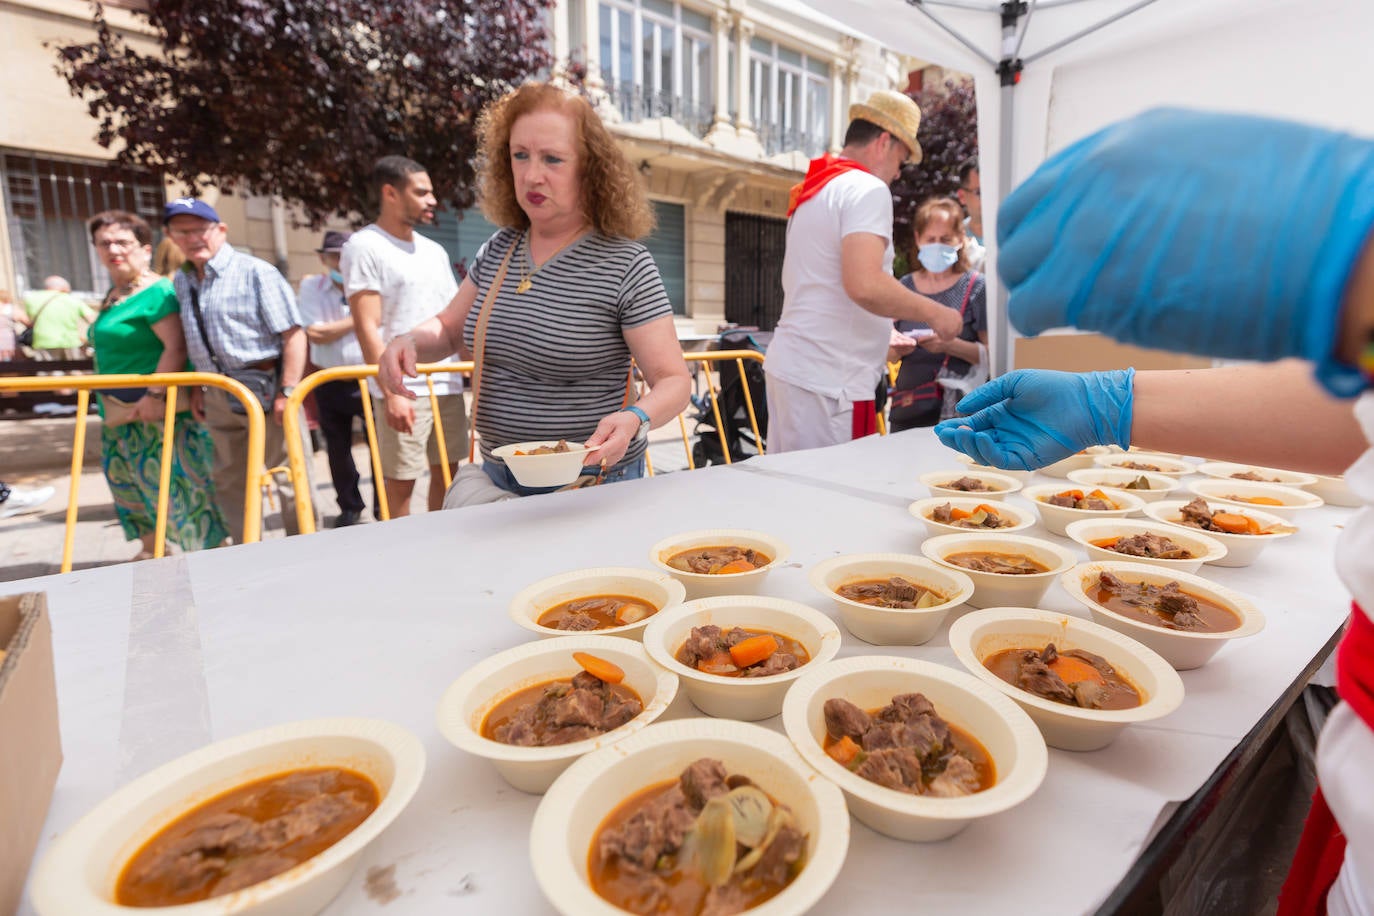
{"x": 503, "y": 478}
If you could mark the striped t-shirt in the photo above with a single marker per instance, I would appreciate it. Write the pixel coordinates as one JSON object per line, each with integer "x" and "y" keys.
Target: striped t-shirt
{"x": 555, "y": 359}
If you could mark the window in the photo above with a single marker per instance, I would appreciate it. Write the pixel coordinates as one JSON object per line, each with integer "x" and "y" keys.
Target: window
{"x": 47, "y": 203}
{"x": 656, "y": 60}
{"x": 668, "y": 245}
{"x": 461, "y": 234}
{"x": 789, "y": 95}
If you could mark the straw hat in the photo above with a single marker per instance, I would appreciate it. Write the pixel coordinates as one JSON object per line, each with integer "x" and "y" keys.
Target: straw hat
{"x": 895, "y": 113}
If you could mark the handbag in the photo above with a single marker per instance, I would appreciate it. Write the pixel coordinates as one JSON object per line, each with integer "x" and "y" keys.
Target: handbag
{"x": 25, "y": 337}
{"x": 947, "y": 388}
{"x": 261, "y": 382}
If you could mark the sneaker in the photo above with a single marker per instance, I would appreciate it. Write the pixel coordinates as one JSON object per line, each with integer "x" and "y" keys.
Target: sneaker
{"x": 348, "y": 518}
{"x": 23, "y": 499}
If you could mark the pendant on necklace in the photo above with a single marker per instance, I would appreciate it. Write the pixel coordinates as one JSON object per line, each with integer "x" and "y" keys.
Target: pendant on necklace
{"x": 525, "y": 285}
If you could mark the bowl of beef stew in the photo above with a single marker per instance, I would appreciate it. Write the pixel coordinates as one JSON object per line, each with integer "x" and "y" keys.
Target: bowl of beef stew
{"x": 1285, "y": 502}
{"x": 920, "y": 750}
{"x": 755, "y": 830}
{"x": 1243, "y": 529}
{"x": 1058, "y": 505}
{"x": 955, "y": 514}
{"x": 1148, "y": 462}
{"x": 986, "y": 485}
{"x": 1078, "y": 461}
{"x": 1006, "y": 569}
{"x": 1023, "y": 476}
{"x": 738, "y": 654}
{"x": 546, "y": 463}
{"x": 609, "y": 600}
{"x": 1254, "y": 473}
{"x": 534, "y": 709}
{"x": 1148, "y": 485}
{"x": 1183, "y": 617}
{"x": 1146, "y": 541}
{"x": 891, "y": 599}
{"x": 1081, "y": 682}
{"x": 302, "y": 799}
{"x": 719, "y": 561}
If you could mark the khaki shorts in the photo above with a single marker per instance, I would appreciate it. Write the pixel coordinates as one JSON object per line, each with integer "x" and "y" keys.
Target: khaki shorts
{"x": 407, "y": 456}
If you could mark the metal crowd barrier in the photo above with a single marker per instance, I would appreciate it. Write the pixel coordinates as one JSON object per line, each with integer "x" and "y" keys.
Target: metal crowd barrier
{"x": 258, "y": 477}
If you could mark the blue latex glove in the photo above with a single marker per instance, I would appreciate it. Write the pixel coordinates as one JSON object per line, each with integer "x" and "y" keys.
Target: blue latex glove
{"x": 1217, "y": 234}
{"x": 1029, "y": 418}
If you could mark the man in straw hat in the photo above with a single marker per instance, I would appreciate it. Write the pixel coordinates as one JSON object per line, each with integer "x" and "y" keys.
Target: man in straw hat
{"x": 840, "y": 297}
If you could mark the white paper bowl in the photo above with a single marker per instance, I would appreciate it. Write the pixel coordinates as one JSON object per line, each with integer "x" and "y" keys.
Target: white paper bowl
{"x": 1010, "y": 737}
{"x": 556, "y": 470}
{"x": 1083, "y": 459}
{"x": 1205, "y": 549}
{"x": 1295, "y": 501}
{"x": 1162, "y": 486}
{"x": 1241, "y": 549}
{"x": 922, "y": 508}
{"x": 1004, "y": 484}
{"x": 980, "y": 634}
{"x": 467, "y": 701}
{"x": 745, "y": 698}
{"x": 659, "y": 589}
{"x": 883, "y": 626}
{"x": 1168, "y": 466}
{"x": 1179, "y": 648}
{"x": 998, "y": 589}
{"x": 1023, "y": 476}
{"x": 1056, "y": 518}
{"x": 572, "y": 812}
{"x": 705, "y": 585}
{"x": 1222, "y": 470}
{"x": 78, "y": 873}
{"x": 1335, "y": 491}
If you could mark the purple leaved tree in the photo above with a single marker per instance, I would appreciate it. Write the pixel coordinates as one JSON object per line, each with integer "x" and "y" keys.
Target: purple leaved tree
{"x": 948, "y": 136}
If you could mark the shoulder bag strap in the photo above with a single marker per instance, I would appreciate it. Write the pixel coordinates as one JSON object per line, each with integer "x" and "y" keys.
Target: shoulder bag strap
{"x": 479, "y": 340}
{"x": 200, "y": 326}
{"x": 46, "y": 302}
{"x": 963, "y": 307}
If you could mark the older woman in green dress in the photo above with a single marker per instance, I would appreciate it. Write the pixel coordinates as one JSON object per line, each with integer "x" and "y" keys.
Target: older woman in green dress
{"x": 139, "y": 331}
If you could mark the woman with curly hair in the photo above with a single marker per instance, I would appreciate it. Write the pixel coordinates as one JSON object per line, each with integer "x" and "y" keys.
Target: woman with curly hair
{"x": 557, "y": 302}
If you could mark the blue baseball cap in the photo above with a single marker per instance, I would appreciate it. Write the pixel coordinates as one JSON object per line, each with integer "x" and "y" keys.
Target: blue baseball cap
{"x": 189, "y": 206}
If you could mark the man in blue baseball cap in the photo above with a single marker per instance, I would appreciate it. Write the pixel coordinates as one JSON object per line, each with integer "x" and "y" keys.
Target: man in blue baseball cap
{"x": 241, "y": 320}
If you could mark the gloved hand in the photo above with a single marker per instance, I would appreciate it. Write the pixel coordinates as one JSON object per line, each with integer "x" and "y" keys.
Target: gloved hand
{"x": 1217, "y": 234}
{"x": 1029, "y": 418}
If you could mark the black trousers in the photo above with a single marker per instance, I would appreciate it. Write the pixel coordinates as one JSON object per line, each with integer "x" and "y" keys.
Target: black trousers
{"x": 338, "y": 403}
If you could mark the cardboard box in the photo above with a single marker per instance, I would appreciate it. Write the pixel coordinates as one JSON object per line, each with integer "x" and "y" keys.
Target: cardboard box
{"x": 30, "y": 749}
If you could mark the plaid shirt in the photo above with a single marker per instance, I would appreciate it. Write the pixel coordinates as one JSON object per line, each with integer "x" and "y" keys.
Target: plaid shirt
{"x": 247, "y": 305}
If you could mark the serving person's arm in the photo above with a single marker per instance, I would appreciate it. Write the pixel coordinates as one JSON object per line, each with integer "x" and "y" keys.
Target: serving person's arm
{"x": 433, "y": 339}
{"x": 658, "y": 354}
{"x": 876, "y": 290}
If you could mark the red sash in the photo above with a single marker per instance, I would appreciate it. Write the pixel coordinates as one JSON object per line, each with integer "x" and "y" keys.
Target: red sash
{"x": 1321, "y": 851}
{"x": 818, "y": 175}
{"x": 865, "y": 422}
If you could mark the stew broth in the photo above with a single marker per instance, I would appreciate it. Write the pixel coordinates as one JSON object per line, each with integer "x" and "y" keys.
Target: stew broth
{"x": 597, "y": 612}
{"x": 1165, "y": 606}
{"x": 1073, "y": 677}
{"x": 723, "y": 559}
{"x": 547, "y": 714}
{"x": 1008, "y": 564}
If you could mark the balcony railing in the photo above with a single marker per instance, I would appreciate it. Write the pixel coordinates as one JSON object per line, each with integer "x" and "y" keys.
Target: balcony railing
{"x": 640, "y": 103}
{"x": 776, "y": 140}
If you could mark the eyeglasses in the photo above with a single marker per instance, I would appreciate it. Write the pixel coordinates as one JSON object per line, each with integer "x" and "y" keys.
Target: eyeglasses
{"x": 117, "y": 244}
{"x": 974, "y": 191}
{"x": 190, "y": 233}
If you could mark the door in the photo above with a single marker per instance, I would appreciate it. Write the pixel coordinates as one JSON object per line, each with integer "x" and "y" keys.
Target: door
{"x": 754, "y": 248}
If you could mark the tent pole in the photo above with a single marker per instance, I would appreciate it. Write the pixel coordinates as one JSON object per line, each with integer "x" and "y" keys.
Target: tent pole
{"x": 1009, "y": 74}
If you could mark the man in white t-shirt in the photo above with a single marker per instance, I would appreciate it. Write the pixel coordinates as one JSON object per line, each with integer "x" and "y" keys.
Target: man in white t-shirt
{"x": 840, "y": 296}
{"x": 395, "y": 279}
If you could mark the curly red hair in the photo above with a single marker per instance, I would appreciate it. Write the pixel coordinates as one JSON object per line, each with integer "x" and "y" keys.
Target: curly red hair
{"x": 613, "y": 196}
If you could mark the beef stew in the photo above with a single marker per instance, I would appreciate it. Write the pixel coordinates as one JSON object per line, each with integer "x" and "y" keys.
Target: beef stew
{"x": 1153, "y": 546}
{"x": 1074, "y": 677}
{"x": 1197, "y": 514}
{"x": 721, "y": 560}
{"x": 1096, "y": 501}
{"x": 561, "y": 711}
{"x": 1007, "y": 564}
{"x": 1138, "y": 466}
{"x": 969, "y": 485}
{"x": 738, "y": 652}
{"x": 982, "y": 516}
{"x": 1255, "y": 476}
{"x": 597, "y": 612}
{"x": 893, "y": 592}
{"x": 1166, "y": 606}
{"x": 562, "y": 448}
{"x": 1254, "y": 500}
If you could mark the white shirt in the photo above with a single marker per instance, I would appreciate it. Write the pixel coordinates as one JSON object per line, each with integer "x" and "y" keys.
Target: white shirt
{"x": 415, "y": 281}
{"x": 825, "y": 342}
{"x": 321, "y": 302}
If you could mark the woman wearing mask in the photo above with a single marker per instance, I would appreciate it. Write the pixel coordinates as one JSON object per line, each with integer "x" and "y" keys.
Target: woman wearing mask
{"x": 942, "y": 273}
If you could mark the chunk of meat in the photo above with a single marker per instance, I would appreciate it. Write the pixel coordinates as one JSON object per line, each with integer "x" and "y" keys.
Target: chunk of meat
{"x": 893, "y": 767}
{"x": 967, "y": 485}
{"x": 703, "y": 781}
{"x": 702, "y": 643}
{"x": 1196, "y": 513}
{"x": 1037, "y": 678}
{"x": 844, "y": 719}
{"x": 958, "y": 778}
{"x": 781, "y": 858}
{"x": 1151, "y": 545}
{"x": 943, "y": 514}
{"x": 1067, "y": 502}
{"x": 653, "y": 831}
{"x": 776, "y": 663}
{"x": 1254, "y": 475}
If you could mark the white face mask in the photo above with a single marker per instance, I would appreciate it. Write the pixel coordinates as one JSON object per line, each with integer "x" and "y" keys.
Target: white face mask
{"x": 937, "y": 257}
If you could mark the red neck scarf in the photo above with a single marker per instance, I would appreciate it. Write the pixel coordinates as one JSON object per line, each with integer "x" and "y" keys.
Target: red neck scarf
{"x": 818, "y": 175}
{"x": 1321, "y": 851}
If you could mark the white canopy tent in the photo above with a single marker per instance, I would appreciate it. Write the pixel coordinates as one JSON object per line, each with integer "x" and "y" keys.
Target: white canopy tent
{"x": 1048, "y": 72}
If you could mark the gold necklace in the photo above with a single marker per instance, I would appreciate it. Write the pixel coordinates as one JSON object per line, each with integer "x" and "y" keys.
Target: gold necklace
{"x": 527, "y": 268}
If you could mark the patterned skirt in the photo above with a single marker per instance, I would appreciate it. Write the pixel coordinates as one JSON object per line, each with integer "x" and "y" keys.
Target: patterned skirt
{"x": 132, "y": 458}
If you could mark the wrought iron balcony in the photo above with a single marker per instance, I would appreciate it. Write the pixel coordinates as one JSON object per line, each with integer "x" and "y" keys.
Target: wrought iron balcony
{"x": 640, "y": 103}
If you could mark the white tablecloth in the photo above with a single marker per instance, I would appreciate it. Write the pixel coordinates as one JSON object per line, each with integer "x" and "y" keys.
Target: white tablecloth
{"x": 161, "y": 657}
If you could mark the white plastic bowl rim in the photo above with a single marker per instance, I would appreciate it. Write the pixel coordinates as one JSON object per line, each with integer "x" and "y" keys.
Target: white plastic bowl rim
{"x": 666, "y": 656}
{"x": 1085, "y": 530}
{"x": 61, "y": 881}
{"x": 920, "y": 507}
{"x": 549, "y": 846}
{"x": 568, "y": 583}
{"x": 1163, "y": 510}
{"x": 1163, "y": 701}
{"x": 1125, "y": 500}
{"x": 1222, "y": 470}
{"x": 1010, "y": 789}
{"x": 461, "y": 732}
{"x": 1114, "y": 477}
{"x": 936, "y": 479}
{"x": 1221, "y": 489}
{"x": 712, "y": 537}
{"x": 1169, "y": 467}
{"x": 937, "y": 547}
{"x": 507, "y": 452}
{"x": 908, "y": 566}
{"x": 1251, "y": 620}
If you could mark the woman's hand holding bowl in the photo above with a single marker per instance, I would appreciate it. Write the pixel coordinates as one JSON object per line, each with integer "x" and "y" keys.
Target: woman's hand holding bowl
{"x": 612, "y": 439}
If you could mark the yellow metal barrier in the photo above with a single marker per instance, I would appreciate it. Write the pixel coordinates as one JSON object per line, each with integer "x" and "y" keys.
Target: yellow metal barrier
{"x": 719, "y": 356}
{"x": 295, "y": 454}
{"x": 257, "y": 475}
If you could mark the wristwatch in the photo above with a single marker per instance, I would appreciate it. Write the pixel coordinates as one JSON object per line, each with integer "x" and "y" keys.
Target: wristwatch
{"x": 643, "y": 420}
{"x": 285, "y": 390}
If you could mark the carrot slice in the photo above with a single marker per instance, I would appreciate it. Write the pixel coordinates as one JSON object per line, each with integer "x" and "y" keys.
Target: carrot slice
{"x": 956, "y": 515}
{"x": 1263, "y": 500}
{"x": 735, "y": 566}
{"x": 1072, "y": 494}
{"x": 753, "y": 650}
{"x": 843, "y": 751}
{"x": 989, "y": 510}
{"x": 1074, "y": 670}
{"x": 599, "y": 668}
{"x": 1234, "y": 523}
{"x": 720, "y": 663}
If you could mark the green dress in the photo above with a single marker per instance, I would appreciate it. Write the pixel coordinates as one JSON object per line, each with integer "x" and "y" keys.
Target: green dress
{"x": 125, "y": 342}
